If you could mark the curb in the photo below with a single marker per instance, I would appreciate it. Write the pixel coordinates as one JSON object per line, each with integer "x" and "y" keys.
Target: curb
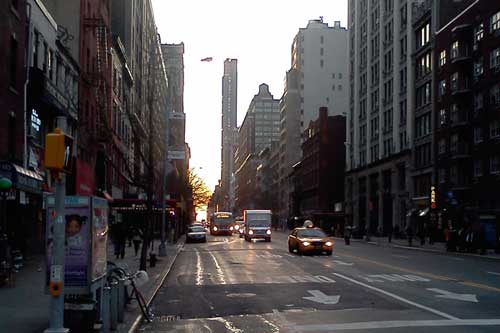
{"x": 443, "y": 253}
{"x": 138, "y": 319}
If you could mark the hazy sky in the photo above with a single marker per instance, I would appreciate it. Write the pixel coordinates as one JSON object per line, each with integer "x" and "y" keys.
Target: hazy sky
{"x": 258, "y": 33}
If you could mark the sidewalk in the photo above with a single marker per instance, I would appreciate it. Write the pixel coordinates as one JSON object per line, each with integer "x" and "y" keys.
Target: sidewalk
{"x": 439, "y": 248}
{"x": 24, "y": 308}
{"x": 157, "y": 275}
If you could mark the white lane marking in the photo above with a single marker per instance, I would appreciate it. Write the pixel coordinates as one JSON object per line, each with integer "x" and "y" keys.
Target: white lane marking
{"x": 340, "y": 262}
{"x": 493, "y": 273}
{"x": 282, "y": 322}
{"x": 275, "y": 329}
{"x": 396, "y": 324}
{"x": 451, "y": 295}
{"x": 229, "y": 325}
{"x": 394, "y": 278}
{"x": 319, "y": 297}
{"x": 308, "y": 278}
{"x": 399, "y": 298}
{"x": 400, "y": 256}
{"x": 220, "y": 273}
{"x": 268, "y": 255}
{"x": 199, "y": 269}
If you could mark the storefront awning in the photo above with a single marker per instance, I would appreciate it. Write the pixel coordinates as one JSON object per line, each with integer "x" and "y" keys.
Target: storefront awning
{"x": 21, "y": 178}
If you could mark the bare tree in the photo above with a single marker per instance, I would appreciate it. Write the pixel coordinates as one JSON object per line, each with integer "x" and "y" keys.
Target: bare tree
{"x": 201, "y": 192}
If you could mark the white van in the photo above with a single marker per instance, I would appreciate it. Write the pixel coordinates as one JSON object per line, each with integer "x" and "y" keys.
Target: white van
{"x": 257, "y": 224}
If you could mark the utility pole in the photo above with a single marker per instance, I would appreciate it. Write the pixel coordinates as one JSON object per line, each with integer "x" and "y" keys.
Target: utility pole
{"x": 56, "y": 284}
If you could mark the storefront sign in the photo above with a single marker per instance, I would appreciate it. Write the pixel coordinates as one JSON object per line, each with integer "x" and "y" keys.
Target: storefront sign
{"x": 433, "y": 197}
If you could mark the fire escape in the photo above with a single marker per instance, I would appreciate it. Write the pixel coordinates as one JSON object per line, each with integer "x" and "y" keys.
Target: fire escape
{"x": 101, "y": 138}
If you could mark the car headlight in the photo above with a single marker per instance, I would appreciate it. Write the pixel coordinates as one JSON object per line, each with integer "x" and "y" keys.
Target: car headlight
{"x": 231, "y": 228}
{"x": 328, "y": 243}
{"x": 241, "y": 230}
{"x": 306, "y": 243}
{"x": 236, "y": 227}
{"x": 250, "y": 232}
{"x": 268, "y": 231}
{"x": 215, "y": 228}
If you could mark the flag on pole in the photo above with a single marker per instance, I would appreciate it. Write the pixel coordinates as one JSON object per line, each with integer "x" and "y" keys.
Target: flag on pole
{"x": 207, "y": 59}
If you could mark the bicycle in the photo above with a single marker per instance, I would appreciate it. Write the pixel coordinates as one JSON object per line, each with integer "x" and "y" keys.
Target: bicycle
{"x": 134, "y": 281}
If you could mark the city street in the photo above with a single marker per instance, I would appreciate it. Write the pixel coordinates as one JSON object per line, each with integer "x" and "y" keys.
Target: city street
{"x": 229, "y": 285}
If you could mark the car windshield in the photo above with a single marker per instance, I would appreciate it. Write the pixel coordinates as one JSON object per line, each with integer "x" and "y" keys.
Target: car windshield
{"x": 196, "y": 229}
{"x": 311, "y": 233}
{"x": 258, "y": 223}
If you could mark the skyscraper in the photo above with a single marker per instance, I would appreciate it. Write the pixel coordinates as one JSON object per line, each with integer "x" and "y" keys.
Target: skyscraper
{"x": 229, "y": 114}
{"x": 381, "y": 86}
{"x": 317, "y": 77}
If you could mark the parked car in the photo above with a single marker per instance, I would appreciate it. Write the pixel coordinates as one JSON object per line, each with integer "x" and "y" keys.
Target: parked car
{"x": 196, "y": 233}
{"x": 310, "y": 240}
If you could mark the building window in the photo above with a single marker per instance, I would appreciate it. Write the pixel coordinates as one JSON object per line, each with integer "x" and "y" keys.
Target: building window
{"x": 478, "y": 135}
{"x": 340, "y": 76}
{"x": 495, "y": 164}
{"x": 50, "y": 64}
{"x": 442, "y": 146}
{"x": 442, "y": 58}
{"x": 495, "y": 22}
{"x": 442, "y": 117}
{"x": 495, "y": 129}
{"x": 454, "y": 174}
{"x": 339, "y": 87}
{"x": 495, "y": 59}
{"x": 442, "y": 88}
{"x": 454, "y": 50}
{"x": 454, "y": 143}
{"x": 478, "y": 168}
{"x": 454, "y": 81}
{"x": 321, "y": 51}
{"x": 478, "y": 102}
{"x": 495, "y": 94}
{"x": 423, "y": 35}
{"x": 442, "y": 175}
{"x": 322, "y": 39}
{"x": 478, "y": 67}
{"x": 424, "y": 65}
{"x": 478, "y": 32}
{"x": 13, "y": 62}
{"x": 321, "y": 63}
{"x": 402, "y": 113}
{"x": 454, "y": 114}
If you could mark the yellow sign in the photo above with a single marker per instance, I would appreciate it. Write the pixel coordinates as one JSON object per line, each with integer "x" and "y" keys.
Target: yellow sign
{"x": 433, "y": 197}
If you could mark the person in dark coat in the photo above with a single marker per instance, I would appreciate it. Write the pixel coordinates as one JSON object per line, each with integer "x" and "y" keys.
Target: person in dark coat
{"x": 409, "y": 234}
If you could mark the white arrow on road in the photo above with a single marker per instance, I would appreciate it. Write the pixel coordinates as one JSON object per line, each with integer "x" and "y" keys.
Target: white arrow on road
{"x": 451, "y": 295}
{"x": 319, "y": 297}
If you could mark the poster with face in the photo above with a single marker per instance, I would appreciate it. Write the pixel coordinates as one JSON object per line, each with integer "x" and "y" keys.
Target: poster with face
{"x": 99, "y": 238}
{"x": 77, "y": 244}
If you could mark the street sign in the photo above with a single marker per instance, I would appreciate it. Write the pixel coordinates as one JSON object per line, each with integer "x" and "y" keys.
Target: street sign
{"x": 176, "y": 155}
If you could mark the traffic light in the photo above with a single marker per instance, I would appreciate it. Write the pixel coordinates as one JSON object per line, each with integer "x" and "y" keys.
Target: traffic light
{"x": 58, "y": 151}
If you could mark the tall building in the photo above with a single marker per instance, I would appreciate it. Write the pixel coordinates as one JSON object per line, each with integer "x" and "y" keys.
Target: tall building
{"x": 259, "y": 129}
{"x": 378, "y": 126}
{"x": 317, "y": 77}
{"x": 229, "y": 117}
{"x": 467, "y": 118}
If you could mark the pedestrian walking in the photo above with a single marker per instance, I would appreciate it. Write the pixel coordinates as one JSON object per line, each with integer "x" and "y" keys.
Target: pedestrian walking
{"x": 409, "y": 234}
{"x": 137, "y": 240}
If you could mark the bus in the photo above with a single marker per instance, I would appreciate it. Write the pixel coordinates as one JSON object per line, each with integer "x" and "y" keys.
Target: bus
{"x": 222, "y": 224}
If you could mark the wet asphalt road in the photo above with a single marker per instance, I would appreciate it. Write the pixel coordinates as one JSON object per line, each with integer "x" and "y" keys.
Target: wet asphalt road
{"x": 229, "y": 285}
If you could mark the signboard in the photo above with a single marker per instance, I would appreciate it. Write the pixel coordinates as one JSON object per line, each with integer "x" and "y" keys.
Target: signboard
{"x": 176, "y": 155}
{"x": 433, "y": 197}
